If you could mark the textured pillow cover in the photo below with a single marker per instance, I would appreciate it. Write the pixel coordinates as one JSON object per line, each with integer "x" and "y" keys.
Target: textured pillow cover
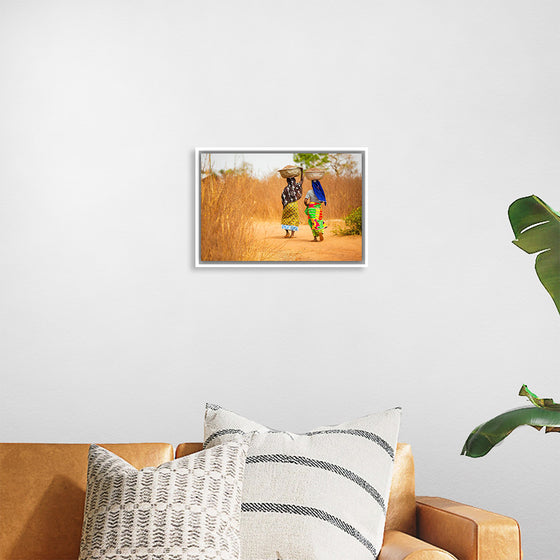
{"x": 185, "y": 509}
{"x": 321, "y": 495}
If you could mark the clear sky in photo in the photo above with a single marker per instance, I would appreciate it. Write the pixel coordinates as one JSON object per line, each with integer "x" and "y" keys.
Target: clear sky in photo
{"x": 263, "y": 163}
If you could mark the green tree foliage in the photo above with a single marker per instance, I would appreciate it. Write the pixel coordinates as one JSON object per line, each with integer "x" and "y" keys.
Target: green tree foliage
{"x": 243, "y": 169}
{"x": 342, "y": 165}
{"x": 311, "y": 160}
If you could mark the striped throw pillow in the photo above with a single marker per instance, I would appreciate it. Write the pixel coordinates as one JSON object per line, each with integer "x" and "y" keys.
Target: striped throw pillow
{"x": 187, "y": 509}
{"x": 312, "y": 496}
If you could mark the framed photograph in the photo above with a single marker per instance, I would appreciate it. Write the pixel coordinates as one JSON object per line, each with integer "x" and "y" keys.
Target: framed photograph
{"x": 281, "y": 207}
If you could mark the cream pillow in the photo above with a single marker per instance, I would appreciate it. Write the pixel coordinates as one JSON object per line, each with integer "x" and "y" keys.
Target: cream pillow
{"x": 187, "y": 509}
{"x": 320, "y": 495}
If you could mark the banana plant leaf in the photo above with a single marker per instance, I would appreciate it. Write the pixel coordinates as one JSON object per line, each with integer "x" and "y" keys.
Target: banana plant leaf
{"x": 544, "y": 413}
{"x": 537, "y": 401}
{"x": 536, "y": 227}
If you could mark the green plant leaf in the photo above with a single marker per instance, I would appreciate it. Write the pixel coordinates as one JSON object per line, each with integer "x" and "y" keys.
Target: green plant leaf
{"x": 537, "y": 401}
{"x": 483, "y": 438}
{"x": 536, "y": 227}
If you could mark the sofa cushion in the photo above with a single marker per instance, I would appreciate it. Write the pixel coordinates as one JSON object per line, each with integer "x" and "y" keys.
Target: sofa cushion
{"x": 42, "y": 492}
{"x": 322, "y": 494}
{"x": 186, "y": 509}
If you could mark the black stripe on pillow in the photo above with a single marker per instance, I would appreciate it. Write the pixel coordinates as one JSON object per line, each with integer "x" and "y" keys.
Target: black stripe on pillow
{"x": 315, "y": 463}
{"x": 312, "y": 512}
{"x": 360, "y": 433}
{"x": 221, "y": 433}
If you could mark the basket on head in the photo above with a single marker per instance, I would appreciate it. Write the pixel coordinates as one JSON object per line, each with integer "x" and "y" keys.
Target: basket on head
{"x": 289, "y": 171}
{"x": 314, "y": 173}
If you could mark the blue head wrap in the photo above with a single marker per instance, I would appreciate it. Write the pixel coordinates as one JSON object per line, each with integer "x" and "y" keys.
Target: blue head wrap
{"x": 319, "y": 192}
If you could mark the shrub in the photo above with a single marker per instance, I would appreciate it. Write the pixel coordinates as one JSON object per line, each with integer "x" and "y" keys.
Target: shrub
{"x": 353, "y": 223}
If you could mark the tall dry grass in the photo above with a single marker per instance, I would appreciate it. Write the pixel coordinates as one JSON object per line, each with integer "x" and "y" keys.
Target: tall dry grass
{"x": 230, "y": 207}
{"x": 226, "y": 227}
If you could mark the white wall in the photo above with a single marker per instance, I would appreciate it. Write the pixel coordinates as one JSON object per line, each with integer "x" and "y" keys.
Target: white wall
{"x": 108, "y": 333}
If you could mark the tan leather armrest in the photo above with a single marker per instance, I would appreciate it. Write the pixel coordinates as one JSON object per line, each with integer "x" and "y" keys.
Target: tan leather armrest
{"x": 400, "y": 546}
{"x": 467, "y": 532}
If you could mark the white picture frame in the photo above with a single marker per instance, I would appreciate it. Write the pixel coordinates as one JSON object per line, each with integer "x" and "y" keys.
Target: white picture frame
{"x": 271, "y": 249}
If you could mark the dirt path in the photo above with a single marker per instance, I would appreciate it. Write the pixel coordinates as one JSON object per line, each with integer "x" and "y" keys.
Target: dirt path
{"x": 303, "y": 248}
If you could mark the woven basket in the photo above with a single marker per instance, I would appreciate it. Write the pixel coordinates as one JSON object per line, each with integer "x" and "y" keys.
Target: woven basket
{"x": 314, "y": 173}
{"x": 289, "y": 171}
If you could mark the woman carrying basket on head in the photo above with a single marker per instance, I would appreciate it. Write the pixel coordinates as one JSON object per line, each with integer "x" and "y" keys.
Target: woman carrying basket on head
{"x": 290, "y": 195}
{"x": 314, "y": 199}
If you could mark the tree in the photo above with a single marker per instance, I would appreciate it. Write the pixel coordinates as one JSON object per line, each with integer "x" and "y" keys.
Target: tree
{"x": 343, "y": 164}
{"x": 339, "y": 164}
{"x": 311, "y": 160}
{"x": 238, "y": 170}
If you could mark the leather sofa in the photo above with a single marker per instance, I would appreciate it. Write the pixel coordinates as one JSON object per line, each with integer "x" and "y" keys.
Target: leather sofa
{"x": 42, "y": 492}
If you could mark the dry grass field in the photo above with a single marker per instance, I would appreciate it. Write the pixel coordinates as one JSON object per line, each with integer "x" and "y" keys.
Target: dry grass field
{"x": 233, "y": 206}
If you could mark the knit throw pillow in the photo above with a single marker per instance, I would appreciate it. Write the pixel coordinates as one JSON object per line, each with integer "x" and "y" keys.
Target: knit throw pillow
{"x": 312, "y": 496}
{"x": 187, "y": 509}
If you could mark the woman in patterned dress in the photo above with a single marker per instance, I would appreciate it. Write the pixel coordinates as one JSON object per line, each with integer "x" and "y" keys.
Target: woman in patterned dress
{"x": 314, "y": 199}
{"x": 290, "y": 214}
